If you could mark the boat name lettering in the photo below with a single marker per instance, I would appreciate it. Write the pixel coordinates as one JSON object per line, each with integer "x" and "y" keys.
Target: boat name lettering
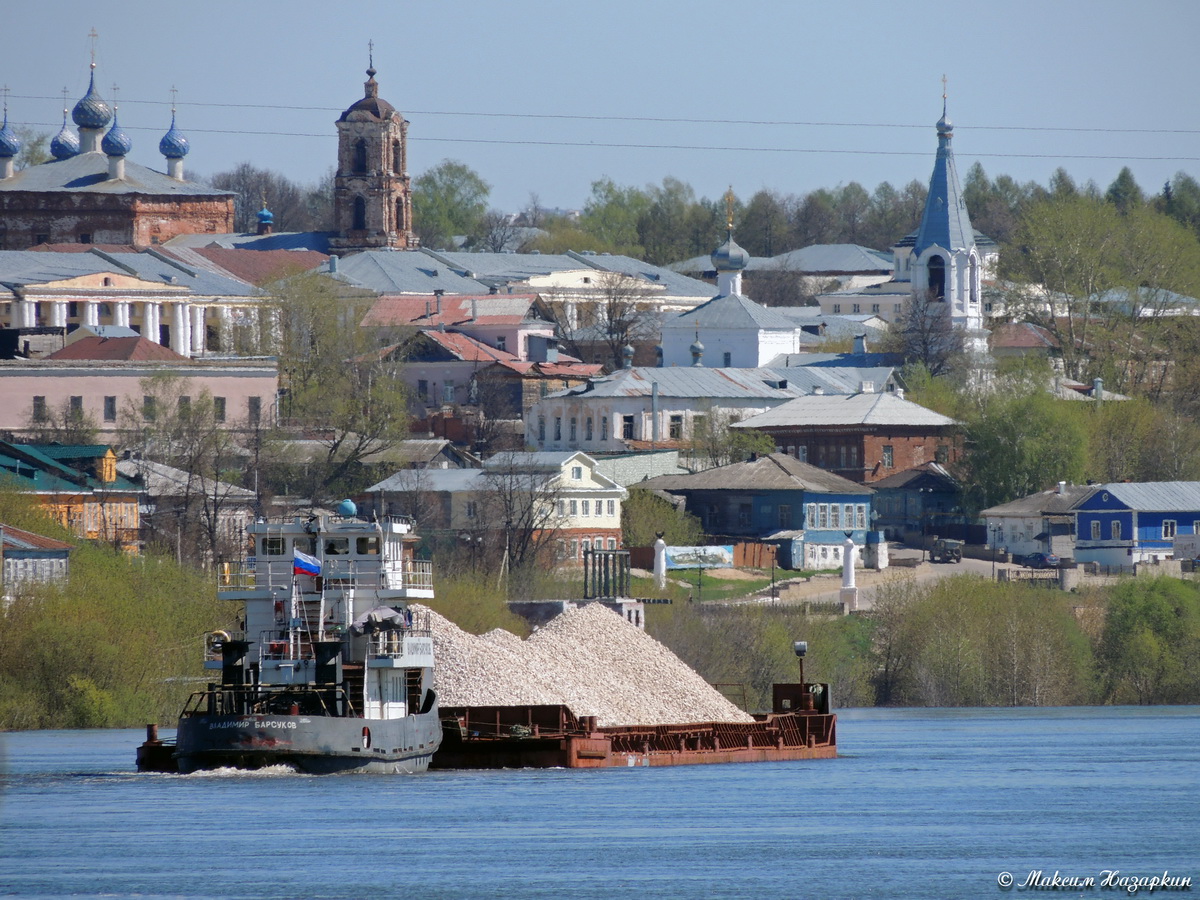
{"x": 252, "y": 723}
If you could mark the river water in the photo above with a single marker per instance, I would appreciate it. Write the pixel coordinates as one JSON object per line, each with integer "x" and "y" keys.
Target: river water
{"x": 920, "y": 804}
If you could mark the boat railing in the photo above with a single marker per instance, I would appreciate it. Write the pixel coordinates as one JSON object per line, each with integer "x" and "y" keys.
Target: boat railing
{"x": 214, "y": 643}
{"x": 336, "y": 572}
{"x": 389, "y": 643}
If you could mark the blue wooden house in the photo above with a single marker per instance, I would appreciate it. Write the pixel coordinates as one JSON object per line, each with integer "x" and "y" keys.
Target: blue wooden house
{"x": 1121, "y": 524}
{"x": 776, "y": 498}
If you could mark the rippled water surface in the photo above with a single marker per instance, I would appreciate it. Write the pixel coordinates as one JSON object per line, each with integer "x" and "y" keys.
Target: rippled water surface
{"x": 921, "y": 804}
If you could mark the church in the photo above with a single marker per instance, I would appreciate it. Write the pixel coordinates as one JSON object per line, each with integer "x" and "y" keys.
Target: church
{"x": 91, "y": 192}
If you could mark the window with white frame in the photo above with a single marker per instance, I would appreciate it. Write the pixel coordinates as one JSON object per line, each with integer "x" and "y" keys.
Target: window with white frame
{"x": 1116, "y": 531}
{"x": 574, "y": 507}
{"x": 1095, "y": 529}
{"x": 834, "y": 515}
{"x": 612, "y": 507}
{"x": 1168, "y": 529}
{"x": 585, "y": 507}
{"x": 577, "y": 473}
{"x": 861, "y": 511}
{"x": 562, "y": 508}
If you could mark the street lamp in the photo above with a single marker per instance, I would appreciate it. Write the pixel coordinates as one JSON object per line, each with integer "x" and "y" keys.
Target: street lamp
{"x": 924, "y": 494}
{"x": 997, "y": 530}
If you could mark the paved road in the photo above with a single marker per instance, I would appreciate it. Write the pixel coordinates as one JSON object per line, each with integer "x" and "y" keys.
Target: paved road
{"x": 826, "y": 588}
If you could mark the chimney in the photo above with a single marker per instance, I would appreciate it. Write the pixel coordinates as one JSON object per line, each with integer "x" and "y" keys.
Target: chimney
{"x": 1098, "y": 390}
{"x": 333, "y": 265}
{"x": 437, "y": 295}
{"x": 860, "y": 345}
{"x": 1062, "y": 488}
{"x": 474, "y": 309}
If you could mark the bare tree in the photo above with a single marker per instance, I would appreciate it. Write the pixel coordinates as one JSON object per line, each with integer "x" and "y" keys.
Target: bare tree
{"x": 497, "y": 232}
{"x": 597, "y": 324}
{"x": 924, "y": 333}
{"x": 522, "y": 498}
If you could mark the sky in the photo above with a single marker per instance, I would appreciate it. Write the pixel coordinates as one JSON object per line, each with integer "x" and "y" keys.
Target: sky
{"x": 544, "y": 98}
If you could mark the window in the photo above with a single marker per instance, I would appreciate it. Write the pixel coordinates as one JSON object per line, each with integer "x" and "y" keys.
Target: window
{"x": 810, "y": 517}
{"x": 272, "y": 546}
{"x": 574, "y": 507}
{"x": 888, "y": 456}
{"x": 541, "y": 429}
{"x": 185, "y": 405}
{"x": 574, "y": 429}
{"x": 612, "y": 542}
{"x": 875, "y": 308}
{"x": 862, "y": 516}
{"x": 1095, "y": 530}
{"x": 823, "y": 515}
{"x": 1168, "y": 528}
{"x": 110, "y": 409}
{"x": 219, "y": 408}
{"x": 41, "y": 239}
{"x": 85, "y": 237}
{"x": 837, "y": 309}
{"x": 471, "y": 509}
{"x": 254, "y": 410}
{"x": 360, "y": 156}
{"x": 500, "y": 342}
{"x": 562, "y": 508}
{"x": 397, "y": 166}
{"x": 337, "y": 546}
{"x": 360, "y": 214}
{"x": 1116, "y": 531}
{"x": 835, "y": 518}
{"x": 848, "y": 515}
{"x": 802, "y": 453}
{"x": 39, "y": 408}
{"x": 785, "y": 515}
{"x": 585, "y": 507}
{"x": 604, "y": 428}
{"x": 558, "y": 428}
{"x": 744, "y": 513}
{"x": 856, "y": 308}
{"x": 588, "y": 428}
{"x": 943, "y": 453}
{"x": 612, "y": 507}
{"x": 675, "y": 427}
{"x": 367, "y": 546}
{"x": 728, "y": 357}
{"x": 148, "y": 409}
{"x": 448, "y": 390}
{"x": 422, "y": 389}
{"x": 627, "y": 427}
{"x": 77, "y": 406}
{"x": 577, "y": 473}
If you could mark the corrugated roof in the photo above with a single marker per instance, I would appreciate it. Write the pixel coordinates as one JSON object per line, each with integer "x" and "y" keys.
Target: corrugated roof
{"x": 404, "y": 272}
{"x": 162, "y": 480}
{"x": 847, "y": 409}
{"x": 776, "y": 471}
{"x": 278, "y": 240}
{"x": 20, "y": 539}
{"x": 687, "y": 381}
{"x": 88, "y": 173}
{"x": 31, "y": 267}
{"x": 1160, "y": 496}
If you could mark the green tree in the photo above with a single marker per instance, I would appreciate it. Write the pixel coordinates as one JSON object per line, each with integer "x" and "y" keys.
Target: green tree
{"x": 448, "y": 200}
{"x": 762, "y": 226}
{"x": 1150, "y": 642}
{"x": 662, "y": 227}
{"x": 1124, "y": 192}
{"x": 1020, "y": 440}
{"x": 714, "y": 443}
{"x": 644, "y": 514}
{"x": 340, "y": 387}
{"x": 611, "y": 216}
{"x": 35, "y": 147}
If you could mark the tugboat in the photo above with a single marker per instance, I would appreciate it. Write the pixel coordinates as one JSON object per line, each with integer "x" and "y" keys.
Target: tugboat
{"x": 331, "y": 672}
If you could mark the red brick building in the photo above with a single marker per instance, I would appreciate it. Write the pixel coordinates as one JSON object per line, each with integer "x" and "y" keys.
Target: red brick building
{"x": 862, "y": 437}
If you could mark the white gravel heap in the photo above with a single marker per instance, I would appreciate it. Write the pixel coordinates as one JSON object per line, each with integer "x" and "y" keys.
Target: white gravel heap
{"x": 588, "y": 658}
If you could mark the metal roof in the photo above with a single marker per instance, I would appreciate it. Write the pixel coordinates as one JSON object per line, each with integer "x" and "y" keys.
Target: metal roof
{"x": 686, "y": 381}
{"x": 32, "y": 267}
{"x": 847, "y": 409}
{"x": 88, "y": 173}
{"x": 775, "y": 471}
{"x": 1043, "y": 502}
{"x": 832, "y": 258}
{"x": 1165, "y": 496}
{"x": 731, "y": 311}
{"x": 945, "y": 222}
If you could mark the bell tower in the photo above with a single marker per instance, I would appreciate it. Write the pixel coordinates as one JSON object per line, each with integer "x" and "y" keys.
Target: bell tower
{"x": 372, "y": 194}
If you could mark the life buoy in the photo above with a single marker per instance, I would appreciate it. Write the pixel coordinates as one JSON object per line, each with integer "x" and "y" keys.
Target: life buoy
{"x": 217, "y": 640}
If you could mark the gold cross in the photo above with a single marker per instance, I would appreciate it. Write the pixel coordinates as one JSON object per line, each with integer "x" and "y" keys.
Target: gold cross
{"x": 92, "y": 34}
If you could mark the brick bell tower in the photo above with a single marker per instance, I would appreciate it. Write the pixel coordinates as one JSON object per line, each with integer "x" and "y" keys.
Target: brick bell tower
{"x": 372, "y": 195}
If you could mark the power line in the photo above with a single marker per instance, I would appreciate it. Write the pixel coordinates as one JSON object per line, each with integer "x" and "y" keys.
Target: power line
{"x": 651, "y": 119}
{"x": 615, "y": 145}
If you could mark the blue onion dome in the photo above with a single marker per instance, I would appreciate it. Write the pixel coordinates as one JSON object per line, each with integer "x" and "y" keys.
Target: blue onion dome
{"x": 696, "y": 347}
{"x": 10, "y": 144}
{"x": 116, "y": 142}
{"x": 944, "y": 126}
{"x": 91, "y": 111}
{"x": 173, "y": 144}
{"x": 729, "y": 257}
{"x": 66, "y": 143}
{"x": 265, "y": 216}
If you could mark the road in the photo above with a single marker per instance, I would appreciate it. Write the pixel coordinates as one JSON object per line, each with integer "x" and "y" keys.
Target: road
{"x": 827, "y": 587}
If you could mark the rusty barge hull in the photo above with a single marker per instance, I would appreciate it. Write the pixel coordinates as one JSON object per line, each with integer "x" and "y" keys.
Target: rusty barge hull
{"x": 514, "y": 737}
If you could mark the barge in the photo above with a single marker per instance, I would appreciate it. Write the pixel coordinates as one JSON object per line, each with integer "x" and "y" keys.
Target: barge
{"x": 801, "y": 726}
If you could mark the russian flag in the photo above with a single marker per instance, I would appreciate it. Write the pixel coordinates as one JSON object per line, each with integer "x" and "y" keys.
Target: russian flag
{"x": 303, "y": 564}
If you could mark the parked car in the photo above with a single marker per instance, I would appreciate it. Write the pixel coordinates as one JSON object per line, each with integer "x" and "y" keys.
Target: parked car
{"x": 945, "y": 550}
{"x": 1041, "y": 561}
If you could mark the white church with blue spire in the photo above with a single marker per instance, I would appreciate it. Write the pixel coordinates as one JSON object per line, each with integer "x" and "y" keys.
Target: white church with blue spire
{"x": 945, "y": 261}
{"x": 92, "y": 192}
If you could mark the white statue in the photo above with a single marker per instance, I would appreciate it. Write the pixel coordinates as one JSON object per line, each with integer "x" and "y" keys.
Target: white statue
{"x": 660, "y": 562}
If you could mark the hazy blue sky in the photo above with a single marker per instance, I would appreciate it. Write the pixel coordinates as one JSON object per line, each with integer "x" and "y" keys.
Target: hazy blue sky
{"x": 547, "y": 97}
